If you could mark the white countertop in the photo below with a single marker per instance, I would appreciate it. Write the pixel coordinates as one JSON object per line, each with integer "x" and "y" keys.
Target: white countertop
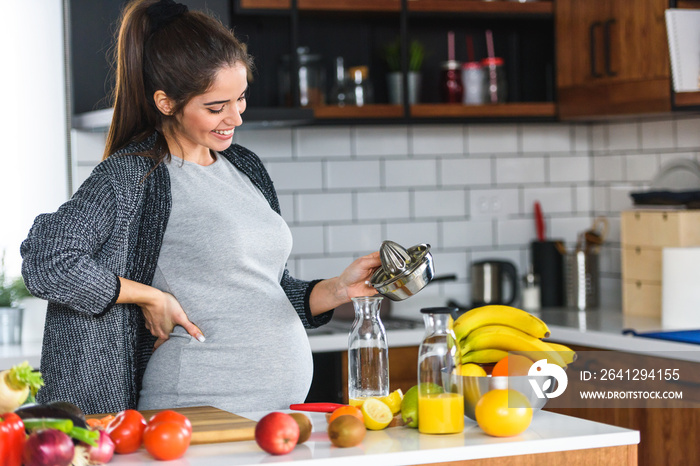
{"x": 549, "y": 432}
{"x": 595, "y": 328}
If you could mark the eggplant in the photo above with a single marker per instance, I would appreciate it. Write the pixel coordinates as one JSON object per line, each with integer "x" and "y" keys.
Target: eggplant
{"x": 49, "y": 411}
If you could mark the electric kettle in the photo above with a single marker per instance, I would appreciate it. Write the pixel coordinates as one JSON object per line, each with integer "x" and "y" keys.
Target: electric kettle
{"x": 490, "y": 279}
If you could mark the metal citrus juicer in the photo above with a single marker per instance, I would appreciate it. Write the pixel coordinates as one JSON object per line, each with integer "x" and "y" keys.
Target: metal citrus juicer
{"x": 404, "y": 272}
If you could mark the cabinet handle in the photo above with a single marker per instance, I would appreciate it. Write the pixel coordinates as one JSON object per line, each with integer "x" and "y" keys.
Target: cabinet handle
{"x": 606, "y": 44}
{"x": 594, "y": 71}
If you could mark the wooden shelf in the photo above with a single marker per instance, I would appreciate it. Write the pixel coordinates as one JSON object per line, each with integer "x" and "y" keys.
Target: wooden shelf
{"x": 480, "y": 6}
{"x": 502, "y": 7}
{"x": 686, "y": 99}
{"x": 366, "y": 111}
{"x": 507, "y": 110}
{"x": 350, "y": 5}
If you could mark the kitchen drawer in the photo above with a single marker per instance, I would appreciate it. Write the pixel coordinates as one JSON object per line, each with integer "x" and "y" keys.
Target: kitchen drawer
{"x": 660, "y": 228}
{"x": 641, "y": 298}
{"x": 641, "y": 263}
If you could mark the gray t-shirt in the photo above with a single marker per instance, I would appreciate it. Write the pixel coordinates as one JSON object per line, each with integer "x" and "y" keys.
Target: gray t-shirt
{"x": 223, "y": 255}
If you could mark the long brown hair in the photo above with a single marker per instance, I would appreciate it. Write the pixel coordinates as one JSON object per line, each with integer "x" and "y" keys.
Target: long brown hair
{"x": 181, "y": 58}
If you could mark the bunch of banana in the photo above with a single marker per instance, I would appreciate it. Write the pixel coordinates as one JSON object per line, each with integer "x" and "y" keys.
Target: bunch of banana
{"x": 486, "y": 334}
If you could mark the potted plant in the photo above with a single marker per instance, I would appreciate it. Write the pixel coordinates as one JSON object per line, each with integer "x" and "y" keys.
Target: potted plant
{"x": 392, "y": 54}
{"x": 11, "y": 292}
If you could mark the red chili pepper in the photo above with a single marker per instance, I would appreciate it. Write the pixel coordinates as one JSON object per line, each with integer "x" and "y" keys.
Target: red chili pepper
{"x": 12, "y": 439}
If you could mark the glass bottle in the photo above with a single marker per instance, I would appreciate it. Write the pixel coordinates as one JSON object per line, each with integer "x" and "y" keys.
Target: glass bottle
{"x": 440, "y": 398}
{"x": 451, "y": 82}
{"x": 368, "y": 352}
{"x": 339, "y": 90}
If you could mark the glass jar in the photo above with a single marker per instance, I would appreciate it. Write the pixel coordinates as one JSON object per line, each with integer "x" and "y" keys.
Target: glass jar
{"x": 368, "y": 352}
{"x": 495, "y": 79}
{"x": 451, "y": 82}
{"x": 311, "y": 77}
{"x": 360, "y": 90}
{"x": 440, "y": 396}
{"x": 474, "y": 83}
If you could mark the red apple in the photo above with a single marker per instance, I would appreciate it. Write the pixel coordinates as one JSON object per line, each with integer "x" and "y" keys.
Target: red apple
{"x": 277, "y": 433}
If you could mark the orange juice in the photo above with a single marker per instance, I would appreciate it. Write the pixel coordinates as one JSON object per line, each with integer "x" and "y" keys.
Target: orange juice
{"x": 440, "y": 413}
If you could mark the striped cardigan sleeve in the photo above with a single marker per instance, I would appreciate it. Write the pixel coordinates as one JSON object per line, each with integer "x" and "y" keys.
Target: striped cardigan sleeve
{"x": 59, "y": 253}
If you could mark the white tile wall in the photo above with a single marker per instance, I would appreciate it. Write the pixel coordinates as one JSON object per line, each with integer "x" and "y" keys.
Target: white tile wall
{"x": 468, "y": 190}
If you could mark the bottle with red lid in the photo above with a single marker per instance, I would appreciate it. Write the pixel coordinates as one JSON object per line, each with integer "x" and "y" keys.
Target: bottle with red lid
{"x": 496, "y": 90}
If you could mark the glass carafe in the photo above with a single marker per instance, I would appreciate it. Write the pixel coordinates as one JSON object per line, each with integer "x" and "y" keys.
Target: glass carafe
{"x": 368, "y": 352}
{"x": 440, "y": 400}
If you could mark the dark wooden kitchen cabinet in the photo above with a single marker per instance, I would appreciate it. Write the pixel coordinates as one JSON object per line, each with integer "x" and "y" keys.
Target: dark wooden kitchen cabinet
{"x": 612, "y": 57}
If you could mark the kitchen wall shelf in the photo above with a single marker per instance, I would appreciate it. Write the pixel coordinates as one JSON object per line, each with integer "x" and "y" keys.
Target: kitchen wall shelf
{"x": 507, "y": 110}
{"x": 686, "y": 99}
{"x": 366, "y": 111}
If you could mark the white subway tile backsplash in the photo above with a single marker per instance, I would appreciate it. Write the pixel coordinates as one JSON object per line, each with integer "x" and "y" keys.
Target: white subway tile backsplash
{"x": 321, "y": 268}
{"x": 568, "y": 229}
{"x": 373, "y": 141}
{"x": 599, "y": 137}
{"x": 492, "y": 139}
{"x": 575, "y": 169}
{"x": 515, "y": 232}
{"x": 447, "y": 203}
{"x": 601, "y": 199}
{"x": 465, "y": 172}
{"x": 324, "y": 207}
{"x": 493, "y": 203}
{"x": 408, "y": 234}
{"x": 361, "y": 238}
{"x": 289, "y": 176}
{"x": 546, "y": 138}
{"x": 623, "y": 136}
{"x": 641, "y": 167}
{"x": 467, "y": 234}
{"x": 582, "y": 138}
{"x": 552, "y": 199}
{"x": 583, "y": 199}
{"x": 323, "y": 142}
{"x": 608, "y": 168}
{"x": 356, "y": 174}
{"x": 307, "y": 240}
{"x": 620, "y": 197}
{"x": 383, "y": 205}
{"x": 520, "y": 170}
{"x": 287, "y": 207}
{"x": 267, "y": 144}
{"x": 437, "y": 140}
{"x": 657, "y": 134}
{"x": 688, "y": 133}
{"x": 410, "y": 173}
{"x": 448, "y": 263}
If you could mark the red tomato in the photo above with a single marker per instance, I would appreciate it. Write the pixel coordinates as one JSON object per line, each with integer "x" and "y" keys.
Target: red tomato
{"x": 170, "y": 415}
{"x": 126, "y": 431}
{"x": 166, "y": 440}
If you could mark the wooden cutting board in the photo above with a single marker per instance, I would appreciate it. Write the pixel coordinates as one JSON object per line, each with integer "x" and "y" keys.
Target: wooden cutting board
{"x": 210, "y": 425}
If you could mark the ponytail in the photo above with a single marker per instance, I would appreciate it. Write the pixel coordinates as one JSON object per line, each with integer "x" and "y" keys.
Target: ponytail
{"x": 181, "y": 58}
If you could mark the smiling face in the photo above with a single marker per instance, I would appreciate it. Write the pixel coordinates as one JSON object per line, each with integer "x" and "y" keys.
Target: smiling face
{"x": 208, "y": 120}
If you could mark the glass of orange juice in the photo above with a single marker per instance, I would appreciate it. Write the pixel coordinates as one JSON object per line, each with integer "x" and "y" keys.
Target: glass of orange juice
{"x": 440, "y": 399}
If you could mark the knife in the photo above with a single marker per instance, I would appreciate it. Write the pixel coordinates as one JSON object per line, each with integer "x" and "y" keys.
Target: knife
{"x": 539, "y": 222}
{"x": 316, "y": 407}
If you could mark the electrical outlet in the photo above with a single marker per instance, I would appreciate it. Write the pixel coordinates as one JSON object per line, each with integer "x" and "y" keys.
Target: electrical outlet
{"x": 490, "y": 204}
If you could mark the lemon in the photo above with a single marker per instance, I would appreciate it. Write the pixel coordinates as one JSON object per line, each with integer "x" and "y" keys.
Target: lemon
{"x": 393, "y": 400}
{"x": 377, "y": 414}
{"x": 472, "y": 370}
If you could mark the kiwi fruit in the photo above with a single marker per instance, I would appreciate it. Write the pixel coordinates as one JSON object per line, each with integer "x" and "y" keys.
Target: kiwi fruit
{"x": 346, "y": 431}
{"x": 304, "y": 426}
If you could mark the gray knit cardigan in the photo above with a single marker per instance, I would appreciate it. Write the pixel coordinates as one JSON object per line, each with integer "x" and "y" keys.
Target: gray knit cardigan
{"x": 95, "y": 351}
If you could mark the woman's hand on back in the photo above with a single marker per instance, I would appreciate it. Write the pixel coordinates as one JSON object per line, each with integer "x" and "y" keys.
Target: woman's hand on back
{"x": 161, "y": 310}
